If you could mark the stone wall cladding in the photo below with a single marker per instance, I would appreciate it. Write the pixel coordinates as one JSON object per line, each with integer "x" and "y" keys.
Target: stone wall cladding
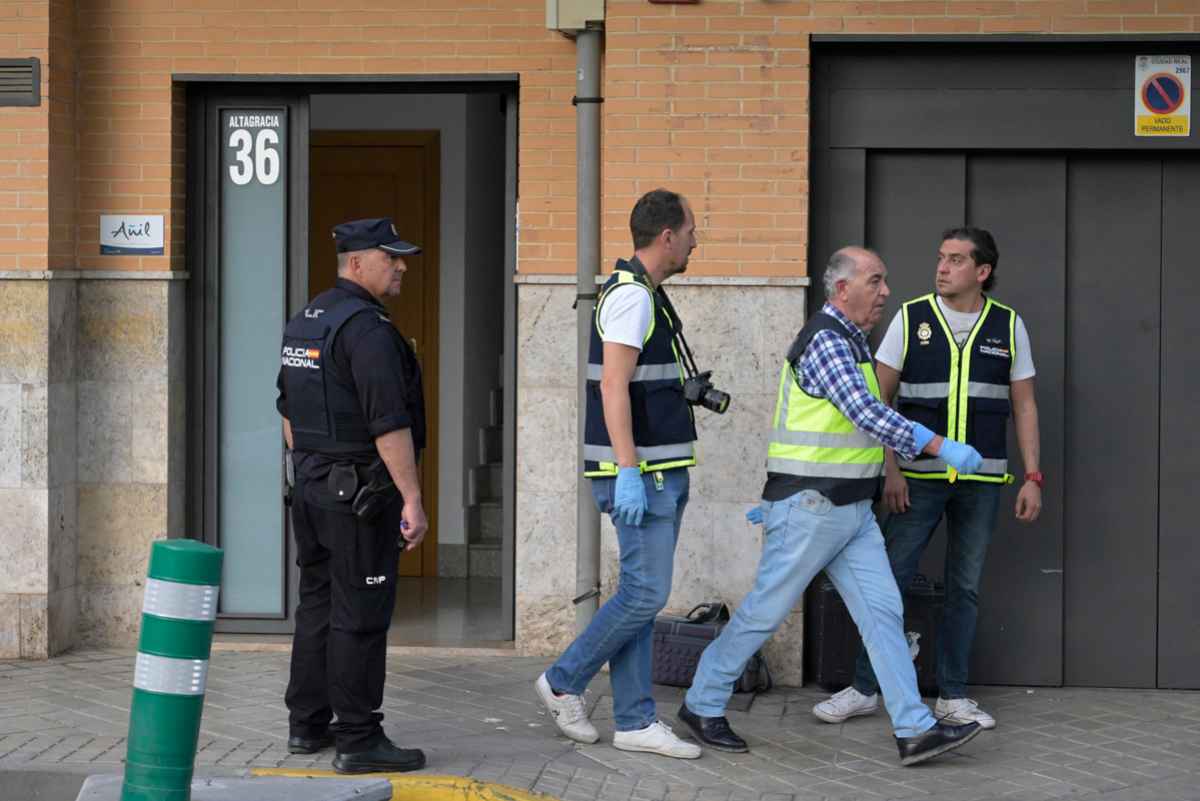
{"x": 129, "y": 440}
{"x": 38, "y": 531}
{"x": 739, "y": 332}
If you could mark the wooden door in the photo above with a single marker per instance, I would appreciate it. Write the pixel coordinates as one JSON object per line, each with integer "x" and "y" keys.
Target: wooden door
{"x": 359, "y": 174}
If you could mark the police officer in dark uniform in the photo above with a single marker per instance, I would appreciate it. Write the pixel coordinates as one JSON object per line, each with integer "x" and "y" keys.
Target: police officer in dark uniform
{"x": 354, "y": 421}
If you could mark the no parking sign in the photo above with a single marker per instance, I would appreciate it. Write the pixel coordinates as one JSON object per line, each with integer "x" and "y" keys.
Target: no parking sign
{"x": 1162, "y": 102}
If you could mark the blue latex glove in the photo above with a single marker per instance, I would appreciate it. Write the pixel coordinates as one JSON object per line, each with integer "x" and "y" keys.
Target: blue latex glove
{"x": 629, "y": 501}
{"x": 962, "y": 458}
{"x": 755, "y": 515}
{"x": 921, "y": 436}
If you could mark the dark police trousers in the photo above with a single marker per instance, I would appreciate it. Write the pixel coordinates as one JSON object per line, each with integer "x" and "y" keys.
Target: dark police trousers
{"x": 347, "y": 593}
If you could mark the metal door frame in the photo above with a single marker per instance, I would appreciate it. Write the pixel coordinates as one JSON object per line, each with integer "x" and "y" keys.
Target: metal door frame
{"x": 204, "y": 94}
{"x": 838, "y": 164}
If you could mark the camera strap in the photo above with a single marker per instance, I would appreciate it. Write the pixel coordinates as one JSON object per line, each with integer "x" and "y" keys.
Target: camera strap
{"x": 689, "y": 361}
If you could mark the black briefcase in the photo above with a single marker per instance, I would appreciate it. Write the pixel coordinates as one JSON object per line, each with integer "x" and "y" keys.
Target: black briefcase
{"x": 679, "y": 641}
{"x": 831, "y": 642}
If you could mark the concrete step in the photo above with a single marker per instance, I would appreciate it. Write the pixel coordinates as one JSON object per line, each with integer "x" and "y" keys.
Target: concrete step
{"x": 491, "y": 444}
{"x": 483, "y": 559}
{"x": 484, "y": 483}
{"x": 265, "y": 788}
{"x": 485, "y": 522}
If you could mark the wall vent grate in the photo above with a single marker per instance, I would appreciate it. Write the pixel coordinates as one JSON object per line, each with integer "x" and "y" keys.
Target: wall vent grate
{"x": 20, "y": 82}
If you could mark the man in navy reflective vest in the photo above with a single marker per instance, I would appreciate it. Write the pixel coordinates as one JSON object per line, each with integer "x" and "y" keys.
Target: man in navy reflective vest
{"x": 958, "y": 362}
{"x": 354, "y": 420}
{"x": 638, "y": 445}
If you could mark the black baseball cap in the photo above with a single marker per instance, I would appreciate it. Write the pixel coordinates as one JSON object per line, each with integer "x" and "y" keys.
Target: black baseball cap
{"x": 377, "y": 232}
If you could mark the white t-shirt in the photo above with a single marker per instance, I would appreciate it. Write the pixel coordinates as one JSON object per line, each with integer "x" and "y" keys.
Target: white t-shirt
{"x": 891, "y": 349}
{"x": 626, "y": 314}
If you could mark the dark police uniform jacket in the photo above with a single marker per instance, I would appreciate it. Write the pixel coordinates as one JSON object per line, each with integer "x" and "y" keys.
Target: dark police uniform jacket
{"x": 346, "y": 377}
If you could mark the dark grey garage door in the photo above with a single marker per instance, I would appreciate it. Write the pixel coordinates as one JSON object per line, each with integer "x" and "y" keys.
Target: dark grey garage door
{"x": 1105, "y": 589}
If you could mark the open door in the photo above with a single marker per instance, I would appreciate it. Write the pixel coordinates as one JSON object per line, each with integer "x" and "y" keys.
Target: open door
{"x": 359, "y": 174}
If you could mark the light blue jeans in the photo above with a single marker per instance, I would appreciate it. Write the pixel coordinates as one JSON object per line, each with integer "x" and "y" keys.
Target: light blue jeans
{"x": 621, "y": 633}
{"x": 805, "y": 533}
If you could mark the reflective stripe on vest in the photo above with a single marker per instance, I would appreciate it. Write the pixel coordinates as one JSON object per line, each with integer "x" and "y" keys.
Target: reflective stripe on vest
{"x": 811, "y": 437}
{"x": 654, "y": 453}
{"x": 958, "y": 391}
{"x": 643, "y": 372}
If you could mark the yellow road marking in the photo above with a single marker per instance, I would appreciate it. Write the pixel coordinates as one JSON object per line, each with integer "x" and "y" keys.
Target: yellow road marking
{"x": 422, "y": 787}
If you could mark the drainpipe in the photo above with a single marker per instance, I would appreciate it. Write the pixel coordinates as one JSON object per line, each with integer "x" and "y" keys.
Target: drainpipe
{"x": 587, "y": 266}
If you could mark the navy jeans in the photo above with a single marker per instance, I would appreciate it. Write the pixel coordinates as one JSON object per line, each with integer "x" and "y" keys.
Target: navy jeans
{"x": 970, "y": 508}
{"x": 621, "y": 633}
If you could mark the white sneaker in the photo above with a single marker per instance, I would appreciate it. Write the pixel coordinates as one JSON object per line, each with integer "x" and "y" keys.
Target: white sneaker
{"x": 657, "y": 738}
{"x": 847, "y": 704}
{"x": 962, "y": 710}
{"x": 568, "y": 711}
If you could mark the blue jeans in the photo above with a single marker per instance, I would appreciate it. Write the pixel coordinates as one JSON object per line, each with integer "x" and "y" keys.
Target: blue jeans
{"x": 970, "y": 508}
{"x": 621, "y": 633}
{"x": 805, "y": 534}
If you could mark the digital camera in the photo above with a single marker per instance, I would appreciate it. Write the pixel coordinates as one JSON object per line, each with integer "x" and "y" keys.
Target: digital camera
{"x": 698, "y": 390}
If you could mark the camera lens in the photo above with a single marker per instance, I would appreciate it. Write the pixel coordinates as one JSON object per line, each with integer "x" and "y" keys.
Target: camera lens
{"x": 715, "y": 400}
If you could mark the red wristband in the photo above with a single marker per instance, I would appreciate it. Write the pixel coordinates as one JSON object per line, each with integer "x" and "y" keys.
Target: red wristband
{"x": 1035, "y": 477}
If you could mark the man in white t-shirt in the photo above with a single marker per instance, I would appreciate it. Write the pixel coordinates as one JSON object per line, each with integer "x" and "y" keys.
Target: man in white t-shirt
{"x": 638, "y": 443}
{"x": 958, "y": 362}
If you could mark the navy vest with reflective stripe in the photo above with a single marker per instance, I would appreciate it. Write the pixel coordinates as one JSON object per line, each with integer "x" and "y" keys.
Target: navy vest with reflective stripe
{"x": 960, "y": 393}
{"x": 663, "y": 427}
{"x": 323, "y": 406}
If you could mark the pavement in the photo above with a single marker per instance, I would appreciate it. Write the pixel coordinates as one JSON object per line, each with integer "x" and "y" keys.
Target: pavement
{"x": 476, "y": 715}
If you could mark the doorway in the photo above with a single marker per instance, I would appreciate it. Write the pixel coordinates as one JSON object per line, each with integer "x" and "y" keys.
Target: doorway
{"x": 441, "y": 162}
{"x": 358, "y": 174}
{"x": 272, "y": 167}
{"x": 1091, "y": 237}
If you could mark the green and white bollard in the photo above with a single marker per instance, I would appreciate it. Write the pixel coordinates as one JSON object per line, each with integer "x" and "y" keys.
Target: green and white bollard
{"x": 178, "y": 611}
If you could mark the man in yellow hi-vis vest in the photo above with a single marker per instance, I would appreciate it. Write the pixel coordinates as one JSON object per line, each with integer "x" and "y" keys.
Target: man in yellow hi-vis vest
{"x": 824, "y": 462}
{"x": 958, "y": 362}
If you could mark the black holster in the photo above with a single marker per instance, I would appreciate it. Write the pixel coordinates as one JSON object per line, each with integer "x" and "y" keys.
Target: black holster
{"x": 376, "y": 490}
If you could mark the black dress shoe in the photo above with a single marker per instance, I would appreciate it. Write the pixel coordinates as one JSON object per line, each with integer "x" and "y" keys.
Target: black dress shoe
{"x": 941, "y": 738}
{"x": 383, "y": 757}
{"x": 713, "y": 732}
{"x": 309, "y": 745}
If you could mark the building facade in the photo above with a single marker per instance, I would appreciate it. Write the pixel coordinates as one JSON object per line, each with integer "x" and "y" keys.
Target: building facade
{"x": 136, "y": 386}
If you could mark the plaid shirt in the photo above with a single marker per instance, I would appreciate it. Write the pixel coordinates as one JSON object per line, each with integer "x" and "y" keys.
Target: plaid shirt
{"x": 829, "y": 369}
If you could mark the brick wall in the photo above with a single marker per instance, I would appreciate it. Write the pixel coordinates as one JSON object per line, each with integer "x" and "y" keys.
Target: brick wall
{"x": 131, "y": 121}
{"x": 24, "y": 143}
{"x": 711, "y": 99}
{"x": 60, "y": 107}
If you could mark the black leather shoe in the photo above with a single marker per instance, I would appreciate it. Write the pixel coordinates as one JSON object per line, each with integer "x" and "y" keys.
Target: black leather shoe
{"x": 309, "y": 745}
{"x": 941, "y": 738}
{"x": 712, "y": 732}
{"x": 384, "y": 757}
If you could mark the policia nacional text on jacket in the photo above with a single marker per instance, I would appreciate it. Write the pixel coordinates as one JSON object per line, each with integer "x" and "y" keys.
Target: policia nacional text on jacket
{"x": 350, "y": 395}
